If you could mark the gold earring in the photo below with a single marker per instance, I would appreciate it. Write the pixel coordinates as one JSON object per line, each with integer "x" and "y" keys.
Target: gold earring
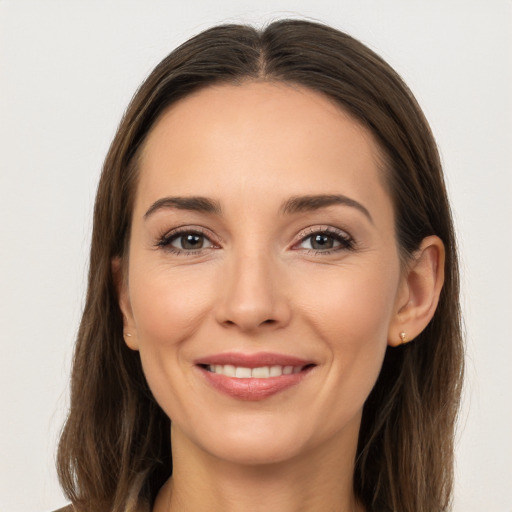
{"x": 402, "y": 338}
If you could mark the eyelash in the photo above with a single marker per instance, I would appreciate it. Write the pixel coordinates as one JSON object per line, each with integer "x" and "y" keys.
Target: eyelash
{"x": 166, "y": 240}
{"x": 346, "y": 241}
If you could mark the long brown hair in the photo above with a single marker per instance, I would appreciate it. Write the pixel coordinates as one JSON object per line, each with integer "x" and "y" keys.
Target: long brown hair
{"x": 115, "y": 431}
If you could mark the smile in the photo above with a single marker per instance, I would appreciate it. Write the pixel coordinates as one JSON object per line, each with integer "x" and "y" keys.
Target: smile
{"x": 253, "y": 376}
{"x": 262, "y": 372}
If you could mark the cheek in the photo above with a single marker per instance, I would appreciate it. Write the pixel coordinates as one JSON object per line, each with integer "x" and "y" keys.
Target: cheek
{"x": 352, "y": 318}
{"x": 167, "y": 304}
{"x": 352, "y": 305}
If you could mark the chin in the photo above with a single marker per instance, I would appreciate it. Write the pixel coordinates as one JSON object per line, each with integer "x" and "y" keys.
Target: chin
{"x": 254, "y": 451}
{"x": 266, "y": 438}
{"x": 250, "y": 439}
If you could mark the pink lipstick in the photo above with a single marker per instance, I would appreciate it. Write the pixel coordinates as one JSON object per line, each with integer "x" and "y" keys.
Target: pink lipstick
{"x": 253, "y": 376}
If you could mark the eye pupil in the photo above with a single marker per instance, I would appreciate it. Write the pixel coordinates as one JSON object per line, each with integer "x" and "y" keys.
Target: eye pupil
{"x": 321, "y": 241}
{"x": 191, "y": 241}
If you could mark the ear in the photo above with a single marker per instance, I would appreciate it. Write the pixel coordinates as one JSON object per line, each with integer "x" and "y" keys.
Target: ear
{"x": 419, "y": 292}
{"x": 123, "y": 297}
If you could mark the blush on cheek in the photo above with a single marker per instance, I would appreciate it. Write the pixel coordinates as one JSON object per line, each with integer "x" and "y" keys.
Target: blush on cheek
{"x": 355, "y": 328}
{"x": 361, "y": 311}
{"x": 167, "y": 308}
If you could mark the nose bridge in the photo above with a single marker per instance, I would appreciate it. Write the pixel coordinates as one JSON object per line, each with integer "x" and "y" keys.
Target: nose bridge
{"x": 252, "y": 296}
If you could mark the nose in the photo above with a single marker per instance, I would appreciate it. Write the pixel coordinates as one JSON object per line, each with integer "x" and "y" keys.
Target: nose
{"x": 253, "y": 295}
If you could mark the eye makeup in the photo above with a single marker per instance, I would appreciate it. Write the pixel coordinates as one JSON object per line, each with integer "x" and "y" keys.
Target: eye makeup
{"x": 324, "y": 240}
{"x": 315, "y": 240}
{"x": 187, "y": 241}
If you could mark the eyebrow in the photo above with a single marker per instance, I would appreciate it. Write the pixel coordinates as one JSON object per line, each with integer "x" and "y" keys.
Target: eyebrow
{"x": 291, "y": 206}
{"x": 198, "y": 204}
{"x": 311, "y": 203}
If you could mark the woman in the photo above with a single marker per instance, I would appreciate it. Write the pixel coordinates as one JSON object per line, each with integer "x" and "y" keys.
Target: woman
{"x": 273, "y": 289}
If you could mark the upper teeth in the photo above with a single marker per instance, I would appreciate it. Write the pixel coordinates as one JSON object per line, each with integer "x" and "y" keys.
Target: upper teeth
{"x": 263, "y": 372}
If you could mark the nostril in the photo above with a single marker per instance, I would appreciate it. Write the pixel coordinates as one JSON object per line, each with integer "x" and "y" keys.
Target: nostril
{"x": 269, "y": 321}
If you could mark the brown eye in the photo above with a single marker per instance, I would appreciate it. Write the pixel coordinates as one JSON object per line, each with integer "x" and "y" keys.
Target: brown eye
{"x": 324, "y": 241}
{"x": 188, "y": 241}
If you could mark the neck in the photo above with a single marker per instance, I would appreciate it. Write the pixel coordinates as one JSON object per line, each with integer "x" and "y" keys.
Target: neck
{"x": 320, "y": 480}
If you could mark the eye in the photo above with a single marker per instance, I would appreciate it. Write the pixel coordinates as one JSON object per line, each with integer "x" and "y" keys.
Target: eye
{"x": 326, "y": 241}
{"x": 190, "y": 242}
{"x": 185, "y": 241}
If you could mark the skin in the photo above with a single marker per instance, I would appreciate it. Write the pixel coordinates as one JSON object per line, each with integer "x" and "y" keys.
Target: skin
{"x": 257, "y": 285}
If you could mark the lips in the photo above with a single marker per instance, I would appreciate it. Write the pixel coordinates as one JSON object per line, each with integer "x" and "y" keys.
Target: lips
{"x": 253, "y": 376}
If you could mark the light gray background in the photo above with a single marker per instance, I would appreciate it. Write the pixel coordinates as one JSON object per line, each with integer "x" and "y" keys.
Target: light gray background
{"x": 67, "y": 71}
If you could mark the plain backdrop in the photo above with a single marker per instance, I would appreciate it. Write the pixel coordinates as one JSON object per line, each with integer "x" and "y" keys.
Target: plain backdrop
{"x": 67, "y": 71}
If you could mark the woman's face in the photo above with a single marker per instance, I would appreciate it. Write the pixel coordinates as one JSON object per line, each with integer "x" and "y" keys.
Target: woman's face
{"x": 263, "y": 274}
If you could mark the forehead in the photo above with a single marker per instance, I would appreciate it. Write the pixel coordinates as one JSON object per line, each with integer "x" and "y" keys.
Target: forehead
{"x": 267, "y": 136}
